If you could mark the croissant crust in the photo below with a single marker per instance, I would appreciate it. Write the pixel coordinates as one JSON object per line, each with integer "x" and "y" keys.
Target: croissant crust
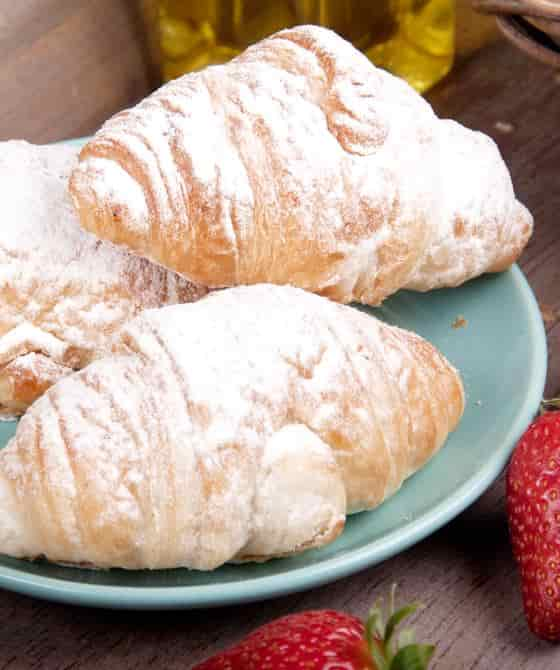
{"x": 63, "y": 293}
{"x": 195, "y": 443}
{"x": 301, "y": 163}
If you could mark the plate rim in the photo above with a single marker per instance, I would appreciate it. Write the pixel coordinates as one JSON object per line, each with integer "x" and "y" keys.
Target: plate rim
{"x": 331, "y": 569}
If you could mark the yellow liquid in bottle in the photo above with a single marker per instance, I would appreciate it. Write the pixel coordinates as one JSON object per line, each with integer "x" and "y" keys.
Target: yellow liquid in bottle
{"x": 422, "y": 48}
{"x": 412, "y": 38}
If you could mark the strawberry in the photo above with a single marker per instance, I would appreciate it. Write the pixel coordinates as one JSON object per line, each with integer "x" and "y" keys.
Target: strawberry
{"x": 326, "y": 639}
{"x": 533, "y": 502}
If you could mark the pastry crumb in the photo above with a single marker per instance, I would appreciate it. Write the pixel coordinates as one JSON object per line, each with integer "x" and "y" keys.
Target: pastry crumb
{"x": 548, "y": 313}
{"x": 460, "y": 322}
{"x": 504, "y": 127}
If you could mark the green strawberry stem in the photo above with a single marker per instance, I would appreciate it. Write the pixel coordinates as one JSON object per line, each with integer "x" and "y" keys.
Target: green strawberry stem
{"x": 380, "y": 638}
{"x": 552, "y": 403}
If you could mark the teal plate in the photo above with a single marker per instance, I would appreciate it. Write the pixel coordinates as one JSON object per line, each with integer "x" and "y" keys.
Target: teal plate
{"x": 501, "y": 353}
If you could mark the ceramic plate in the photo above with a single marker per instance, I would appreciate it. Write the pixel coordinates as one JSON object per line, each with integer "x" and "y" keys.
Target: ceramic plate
{"x": 501, "y": 353}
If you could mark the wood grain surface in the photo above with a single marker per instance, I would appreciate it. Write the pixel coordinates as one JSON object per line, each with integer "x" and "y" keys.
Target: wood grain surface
{"x": 65, "y": 65}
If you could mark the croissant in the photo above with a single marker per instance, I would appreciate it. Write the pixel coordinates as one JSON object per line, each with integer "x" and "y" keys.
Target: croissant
{"x": 240, "y": 427}
{"x": 301, "y": 163}
{"x": 63, "y": 293}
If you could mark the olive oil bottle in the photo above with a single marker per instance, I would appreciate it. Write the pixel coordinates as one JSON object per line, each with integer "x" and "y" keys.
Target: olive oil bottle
{"x": 412, "y": 38}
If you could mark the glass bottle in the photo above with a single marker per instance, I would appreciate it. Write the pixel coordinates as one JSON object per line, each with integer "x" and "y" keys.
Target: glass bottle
{"x": 412, "y": 38}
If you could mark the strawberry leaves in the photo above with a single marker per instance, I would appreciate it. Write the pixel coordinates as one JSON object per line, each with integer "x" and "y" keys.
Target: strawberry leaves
{"x": 412, "y": 657}
{"x": 405, "y": 655}
{"x": 322, "y": 639}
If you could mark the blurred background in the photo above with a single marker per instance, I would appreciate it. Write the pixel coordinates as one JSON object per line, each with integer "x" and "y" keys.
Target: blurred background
{"x": 98, "y": 57}
{"x": 412, "y": 38}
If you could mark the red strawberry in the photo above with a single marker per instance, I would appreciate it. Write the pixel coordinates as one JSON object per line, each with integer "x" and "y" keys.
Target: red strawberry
{"x": 323, "y": 640}
{"x": 533, "y": 501}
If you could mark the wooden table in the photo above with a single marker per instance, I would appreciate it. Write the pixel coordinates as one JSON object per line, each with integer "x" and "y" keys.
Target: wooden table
{"x": 65, "y": 65}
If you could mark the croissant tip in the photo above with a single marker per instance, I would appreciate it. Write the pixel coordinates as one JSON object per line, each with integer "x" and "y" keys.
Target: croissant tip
{"x": 110, "y": 202}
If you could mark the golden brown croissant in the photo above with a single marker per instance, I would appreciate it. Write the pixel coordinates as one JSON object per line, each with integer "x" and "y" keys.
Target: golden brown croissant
{"x": 63, "y": 293}
{"x": 243, "y": 426}
{"x": 299, "y": 162}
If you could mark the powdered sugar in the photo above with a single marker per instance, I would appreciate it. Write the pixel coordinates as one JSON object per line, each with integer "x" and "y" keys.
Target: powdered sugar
{"x": 60, "y": 287}
{"x": 25, "y": 338}
{"x": 300, "y": 162}
{"x": 114, "y": 179}
{"x": 282, "y": 147}
{"x": 32, "y": 363}
{"x": 241, "y": 426}
{"x": 479, "y": 224}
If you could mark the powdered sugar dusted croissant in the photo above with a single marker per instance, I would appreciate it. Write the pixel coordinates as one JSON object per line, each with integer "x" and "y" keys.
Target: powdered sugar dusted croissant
{"x": 299, "y": 162}
{"x": 243, "y": 426}
{"x": 63, "y": 293}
